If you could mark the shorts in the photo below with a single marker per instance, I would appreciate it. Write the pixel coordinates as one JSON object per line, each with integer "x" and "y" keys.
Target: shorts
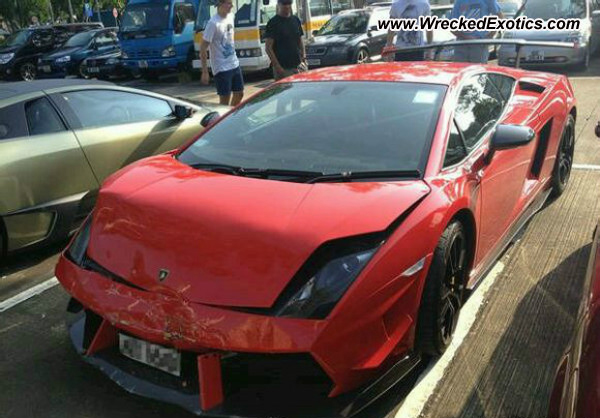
{"x": 229, "y": 81}
{"x": 410, "y": 56}
{"x": 472, "y": 53}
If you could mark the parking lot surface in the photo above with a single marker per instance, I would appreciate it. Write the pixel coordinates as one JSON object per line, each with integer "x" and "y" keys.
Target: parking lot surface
{"x": 513, "y": 332}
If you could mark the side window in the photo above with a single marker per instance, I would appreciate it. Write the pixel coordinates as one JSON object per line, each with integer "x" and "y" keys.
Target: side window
{"x": 103, "y": 39}
{"x": 456, "y": 150}
{"x": 42, "y": 118}
{"x": 100, "y": 108}
{"x": 320, "y": 8}
{"x": 12, "y": 122}
{"x": 184, "y": 13}
{"x": 504, "y": 86}
{"x": 479, "y": 107}
{"x": 377, "y": 16}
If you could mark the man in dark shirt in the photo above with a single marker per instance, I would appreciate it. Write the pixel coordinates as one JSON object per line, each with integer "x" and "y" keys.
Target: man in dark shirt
{"x": 284, "y": 43}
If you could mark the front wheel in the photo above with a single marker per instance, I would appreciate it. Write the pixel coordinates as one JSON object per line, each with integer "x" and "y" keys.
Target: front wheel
{"x": 564, "y": 158}
{"x": 444, "y": 291}
{"x": 28, "y": 71}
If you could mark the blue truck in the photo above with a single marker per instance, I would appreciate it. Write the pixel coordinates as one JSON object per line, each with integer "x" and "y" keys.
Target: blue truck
{"x": 157, "y": 36}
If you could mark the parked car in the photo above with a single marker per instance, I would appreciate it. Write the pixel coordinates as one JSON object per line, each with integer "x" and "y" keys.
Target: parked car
{"x": 59, "y": 140}
{"x": 104, "y": 67}
{"x": 67, "y": 59}
{"x": 587, "y": 38}
{"x": 65, "y": 31}
{"x": 576, "y": 391}
{"x": 331, "y": 256}
{"x": 20, "y": 51}
{"x": 351, "y": 36}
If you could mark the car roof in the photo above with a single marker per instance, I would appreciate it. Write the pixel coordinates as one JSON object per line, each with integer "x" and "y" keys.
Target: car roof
{"x": 21, "y": 88}
{"x": 411, "y": 72}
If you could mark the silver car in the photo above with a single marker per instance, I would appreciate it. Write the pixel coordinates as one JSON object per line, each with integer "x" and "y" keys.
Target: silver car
{"x": 586, "y": 39}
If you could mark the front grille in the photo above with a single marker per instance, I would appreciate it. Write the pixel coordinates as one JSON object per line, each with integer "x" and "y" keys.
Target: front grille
{"x": 145, "y": 53}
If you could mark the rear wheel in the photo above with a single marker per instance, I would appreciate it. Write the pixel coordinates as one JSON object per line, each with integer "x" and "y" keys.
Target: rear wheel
{"x": 28, "y": 71}
{"x": 564, "y": 158}
{"x": 444, "y": 290}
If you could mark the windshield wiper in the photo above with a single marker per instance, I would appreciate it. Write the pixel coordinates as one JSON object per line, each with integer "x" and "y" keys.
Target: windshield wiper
{"x": 258, "y": 172}
{"x": 364, "y": 175}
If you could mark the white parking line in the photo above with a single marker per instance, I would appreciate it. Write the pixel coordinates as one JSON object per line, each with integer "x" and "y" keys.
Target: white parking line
{"x": 587, "y": 167}
{"x": 415, "y": 401}
{"x": 28, "y": 294}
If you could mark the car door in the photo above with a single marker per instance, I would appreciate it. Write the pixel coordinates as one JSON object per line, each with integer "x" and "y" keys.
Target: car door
{"x": 479, "y": 109}
{"x": 42, "y": 163}
{"x": 116, "y": 127}
{"x": 595, "y": 18}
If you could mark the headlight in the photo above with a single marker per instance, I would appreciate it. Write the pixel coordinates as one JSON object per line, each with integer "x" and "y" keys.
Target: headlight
{"x": 576, "y": 38}
{"x": 66, "y": 58}
{"x": 339, "y": 49}
{"x": 169, "y": 52}
{"x": 6, "y": 58}
{"x": 328, "y": 282}
{"x": 111, "y": 61}
{"x": 77, "y": 249}
{"x": 252, "y": 52}
{"x": 124, "y": 55}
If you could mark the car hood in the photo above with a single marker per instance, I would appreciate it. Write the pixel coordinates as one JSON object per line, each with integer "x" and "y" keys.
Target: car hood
{"x": 63, "y": 52}
{"x": 331, "y": 39}
{"x": 228, "y": 240}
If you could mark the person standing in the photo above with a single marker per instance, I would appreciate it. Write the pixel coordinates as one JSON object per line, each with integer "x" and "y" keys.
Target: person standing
{"x": 283, "y": 41}
{"x": 474, "y": 9}
{"x": 409, "y": 9}
{"x": 218, "y": 38}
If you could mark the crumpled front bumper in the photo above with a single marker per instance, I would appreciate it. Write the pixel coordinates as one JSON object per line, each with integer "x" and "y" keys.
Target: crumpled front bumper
{"x": 301, "y": 352}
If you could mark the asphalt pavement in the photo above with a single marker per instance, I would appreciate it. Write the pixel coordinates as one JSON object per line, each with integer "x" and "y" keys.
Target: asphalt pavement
{"x": 513, "y": 332}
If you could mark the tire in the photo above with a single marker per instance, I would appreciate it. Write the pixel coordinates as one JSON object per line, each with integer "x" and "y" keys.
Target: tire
{"x": 82, "y": 73}
{"x": 586, "y": 62}
{"x": 564, "y": 159}
{"x": 444, "y": 292}
{"x": 27, "y": 71}
{"x": 362, "y": 56}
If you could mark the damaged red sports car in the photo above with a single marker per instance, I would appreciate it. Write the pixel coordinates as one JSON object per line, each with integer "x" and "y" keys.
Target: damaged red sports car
{"x": 322, "y": 235}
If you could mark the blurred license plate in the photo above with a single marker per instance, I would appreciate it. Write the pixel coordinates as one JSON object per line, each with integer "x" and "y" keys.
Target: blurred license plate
{"x": 46, "y": 68}
{"x": 154, "y": 355}
{"x": 536, "y": 56}
{"x": 313, "y": 61}
{"x": 143, "y": 64}
{"x": 93, "y": 70}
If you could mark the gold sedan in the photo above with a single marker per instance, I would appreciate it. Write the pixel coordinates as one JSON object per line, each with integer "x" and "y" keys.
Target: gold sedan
{"x": 59, "y": 140}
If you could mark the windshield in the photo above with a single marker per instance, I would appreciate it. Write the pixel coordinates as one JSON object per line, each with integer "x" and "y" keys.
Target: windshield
{"x": 244, "y": 13}
{"x": 345, "y": 24}
{"x": 362, "y": 127}
{"x": 553, "y": 9}
{"x": 81, "y": 39}
{"x": 18, "y": 38}
{"x": 145, "y": 16}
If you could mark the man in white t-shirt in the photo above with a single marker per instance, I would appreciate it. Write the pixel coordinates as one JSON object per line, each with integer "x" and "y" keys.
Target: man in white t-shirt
{"x": 409, "y": 9}
{"x": 218, "y": 38}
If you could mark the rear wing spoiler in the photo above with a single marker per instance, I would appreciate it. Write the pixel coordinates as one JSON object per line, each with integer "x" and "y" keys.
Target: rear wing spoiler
{"x": 517, "y": 43}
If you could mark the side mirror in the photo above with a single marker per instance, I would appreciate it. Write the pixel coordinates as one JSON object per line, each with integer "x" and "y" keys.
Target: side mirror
{"x": 209, "y": 119}
{"x": 315, "y": 32}
{"x": 182, "y": 112}
{"x": 510, "y": 136}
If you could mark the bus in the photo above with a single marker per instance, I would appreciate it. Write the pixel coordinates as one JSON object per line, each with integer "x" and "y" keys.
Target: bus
{"x": 250, "y": 21}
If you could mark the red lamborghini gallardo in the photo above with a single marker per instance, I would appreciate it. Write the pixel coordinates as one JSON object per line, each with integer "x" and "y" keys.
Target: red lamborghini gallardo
{"x": 320, "y": 235}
